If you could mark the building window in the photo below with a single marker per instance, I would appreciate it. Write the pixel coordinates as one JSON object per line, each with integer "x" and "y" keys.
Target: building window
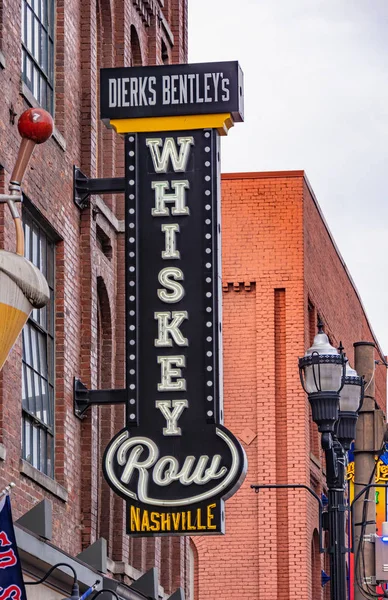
{"x": 315, "y": 566}
{"x": 136, "y": 58}
{"x": 38, "y": 50}
{"x": 38, "y": 357}
{"x": 165, "y": 57}
{"x": 193, "y": 571}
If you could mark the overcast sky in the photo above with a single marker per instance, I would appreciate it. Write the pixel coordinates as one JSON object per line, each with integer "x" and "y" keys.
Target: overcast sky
{"x": 316, "y": 98}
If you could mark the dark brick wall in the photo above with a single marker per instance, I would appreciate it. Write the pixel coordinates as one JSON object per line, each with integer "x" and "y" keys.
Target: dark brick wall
{"x": 89, "y": 263}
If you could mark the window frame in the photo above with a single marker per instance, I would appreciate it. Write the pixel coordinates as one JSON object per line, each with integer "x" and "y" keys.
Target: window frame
{"x": 42, "y": 23}
{"x": 40, "y": 325}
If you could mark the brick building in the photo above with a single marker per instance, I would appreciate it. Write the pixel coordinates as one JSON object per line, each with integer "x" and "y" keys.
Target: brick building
{"x": 50, "y": 55}
{"x": 281, "y": 269}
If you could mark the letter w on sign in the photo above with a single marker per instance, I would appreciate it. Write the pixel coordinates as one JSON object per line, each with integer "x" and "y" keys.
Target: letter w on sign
{"x": 11, "y": 579}
{"x": 169, "y": 151}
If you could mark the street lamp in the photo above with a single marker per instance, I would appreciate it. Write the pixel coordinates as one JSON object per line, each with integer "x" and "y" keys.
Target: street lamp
{"x": 351, "y": 398}
{"x": 322, "y": 373}
{"x": 335, "y": 393}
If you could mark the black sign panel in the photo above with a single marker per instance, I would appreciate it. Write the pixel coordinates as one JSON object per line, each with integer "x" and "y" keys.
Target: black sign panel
{"x": 175, "y": 462}
{"x": 171, "y": 90}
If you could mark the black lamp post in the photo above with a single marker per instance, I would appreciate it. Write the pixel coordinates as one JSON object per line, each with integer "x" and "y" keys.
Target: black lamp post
{"x": 335, "y": 393}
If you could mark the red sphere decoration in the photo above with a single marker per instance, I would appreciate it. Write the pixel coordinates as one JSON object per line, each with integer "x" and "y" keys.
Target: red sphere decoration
{"x": 36, "y": 124}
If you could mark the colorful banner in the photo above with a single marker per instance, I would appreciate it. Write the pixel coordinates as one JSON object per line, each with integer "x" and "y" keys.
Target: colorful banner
{"x": 11, "y": 579}
{"x": 381, "y": 503}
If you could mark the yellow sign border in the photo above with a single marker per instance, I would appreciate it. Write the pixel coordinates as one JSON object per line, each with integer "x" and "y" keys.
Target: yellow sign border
{"x": 222, "y": 122}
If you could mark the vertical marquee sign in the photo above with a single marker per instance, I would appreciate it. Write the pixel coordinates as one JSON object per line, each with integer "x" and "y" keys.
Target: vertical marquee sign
{"x": 174, "y": 462}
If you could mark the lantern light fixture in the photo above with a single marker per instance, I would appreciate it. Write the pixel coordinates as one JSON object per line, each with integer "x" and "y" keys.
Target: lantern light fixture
{"x": 322, "y": 374}
{"x": 350, "y": 403}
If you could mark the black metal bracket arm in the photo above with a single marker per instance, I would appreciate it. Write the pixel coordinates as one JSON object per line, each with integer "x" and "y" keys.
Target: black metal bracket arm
{"x": 335, "y": 460}
{"x": 83, "y": 398}
{"x": 83, "y": 187}
{"x": 302, "y": 486}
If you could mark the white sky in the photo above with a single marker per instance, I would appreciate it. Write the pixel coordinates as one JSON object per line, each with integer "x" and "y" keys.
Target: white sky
{"x": 316, "y": 98}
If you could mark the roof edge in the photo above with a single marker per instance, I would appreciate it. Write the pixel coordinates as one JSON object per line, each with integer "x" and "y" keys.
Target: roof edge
{"x": 316, "y": 203}
{"x": 302, "y": 174}
{"x": 263, "y": 175}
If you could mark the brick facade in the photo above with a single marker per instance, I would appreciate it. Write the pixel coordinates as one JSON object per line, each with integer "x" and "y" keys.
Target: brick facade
{"x": 280, "y": 269}
{"x": 89, "y": 275}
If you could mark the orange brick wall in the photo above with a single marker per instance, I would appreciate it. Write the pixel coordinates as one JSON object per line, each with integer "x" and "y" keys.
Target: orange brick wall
{"x": 273, "y": 238}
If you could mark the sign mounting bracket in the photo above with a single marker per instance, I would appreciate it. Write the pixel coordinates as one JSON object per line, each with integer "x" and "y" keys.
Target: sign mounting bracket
{"x": 83, "y": 397}
{"x": 83, "y": 187}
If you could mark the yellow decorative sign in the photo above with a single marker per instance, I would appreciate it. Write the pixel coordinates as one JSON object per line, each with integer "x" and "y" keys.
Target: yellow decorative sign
{"x": 350, "y": 472}
{"x": 381, "y": 472}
